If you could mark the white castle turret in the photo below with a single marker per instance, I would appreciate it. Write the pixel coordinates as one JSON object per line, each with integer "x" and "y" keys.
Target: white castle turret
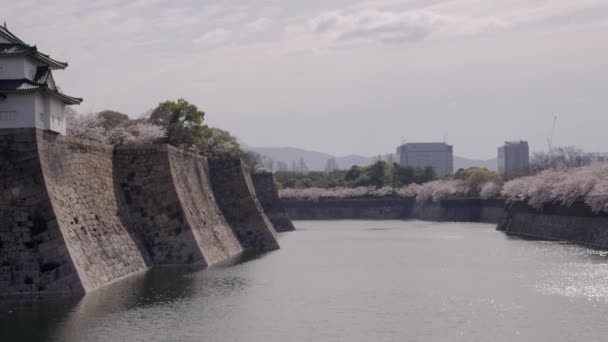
{"x": 29, "y": 97}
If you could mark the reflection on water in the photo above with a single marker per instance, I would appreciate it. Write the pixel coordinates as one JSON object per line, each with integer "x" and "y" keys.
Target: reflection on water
{"x": 350, "y": 281}
{"x": 156, "y": 292}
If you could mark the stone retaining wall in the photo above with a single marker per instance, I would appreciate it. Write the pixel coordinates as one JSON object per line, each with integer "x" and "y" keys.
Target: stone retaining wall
{"x": 396, "y": 208}
{"x": 575, "y": 224}
{"x": 75, "y": 216}
{"x": 492, "y": 211}
{"x": 61, "y": 222}
{"x": 213, "y": 234}
{"x": 269, "y": 199}
{"x": 80, "y": 184}
{"x": 350, "y": 209}
{"x": 460, "y": 210}
{"x": 169, "y": 200}
{"x": 33, "y": 255}
{"x": 235, "y": 194}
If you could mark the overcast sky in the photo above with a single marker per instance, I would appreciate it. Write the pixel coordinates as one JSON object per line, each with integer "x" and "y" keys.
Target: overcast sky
{"x": 341, "y": 76}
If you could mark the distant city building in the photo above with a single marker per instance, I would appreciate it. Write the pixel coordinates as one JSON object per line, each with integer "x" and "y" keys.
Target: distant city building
{"x": 439, "y": 156}
{"x": 29, "y": 97}
{"x": 514, "y": 159}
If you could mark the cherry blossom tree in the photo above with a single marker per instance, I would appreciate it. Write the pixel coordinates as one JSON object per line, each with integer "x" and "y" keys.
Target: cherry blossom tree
{"x": 490, "y": 190}
{"x": 441, "y": 189}
{"x": 147, "y": 133}
{"x": 588, "y": 184}
{"x": 85, "y": 126}
{"x": 95, "y": 128}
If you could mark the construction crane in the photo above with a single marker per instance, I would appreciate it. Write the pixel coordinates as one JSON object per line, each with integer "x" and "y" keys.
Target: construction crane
{"x": 550, "y": 138}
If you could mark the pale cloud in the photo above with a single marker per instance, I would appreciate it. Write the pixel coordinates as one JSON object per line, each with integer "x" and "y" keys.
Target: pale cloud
{"x": 391, "y": 21}
{"x": 259, "y": 25}
{"x": 214, "y": 37}
{"x": 374, "y": 25}
{"x": 422, "y": 67}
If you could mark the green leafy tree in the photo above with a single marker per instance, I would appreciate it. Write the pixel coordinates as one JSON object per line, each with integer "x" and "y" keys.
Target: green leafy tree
{"x": 477, "y": 177}
{"x": 277, "y": 183}
{"x": 376, "y": 173}
{"x": 110, "y": 119}
{"x": 183, "y": 122}
{"x": 402, "y": 175}
{"x": 252, "y": 159}
{"x": 305, "y": 183}
{"x": 353, "y": 173}
{"x": 424, "y": 174}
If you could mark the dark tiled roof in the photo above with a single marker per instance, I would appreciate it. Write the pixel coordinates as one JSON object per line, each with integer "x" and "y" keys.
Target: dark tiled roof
{"x": 14, "y": 49}
{"x": 65, "y": 98}
{"x": 8, "y": 35}
{"x": 55, "y": 64}
{"x": 25, "y": 85}
{"x": 18, "y": 85}
{"x": 19, "y": 47}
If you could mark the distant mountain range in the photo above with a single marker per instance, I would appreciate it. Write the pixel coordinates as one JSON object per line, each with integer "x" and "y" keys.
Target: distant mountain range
{"x": 317, "y": 160}
{"x": 463, "y": 163}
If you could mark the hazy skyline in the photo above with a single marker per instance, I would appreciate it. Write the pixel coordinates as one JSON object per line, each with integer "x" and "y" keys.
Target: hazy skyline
{"x": 339, "y": 76}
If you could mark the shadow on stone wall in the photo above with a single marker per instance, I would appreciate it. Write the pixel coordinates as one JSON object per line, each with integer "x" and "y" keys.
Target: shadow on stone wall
{"x": 269, "y": 199}
{"x": 460, "y": 210}
{"x": 396, "y": 208}
{"x": 143, "y": 181}
{"x": 33, "y": 255}
{"x": 75, "y": 215}
{"x": 576, "y": 223}
{"x": 79, "y": 180}
{"x": 213, "y": 233}
{"x": 236, "y": 197}
{"x": 350, "y": 209}
{"x": 168, "y": 197}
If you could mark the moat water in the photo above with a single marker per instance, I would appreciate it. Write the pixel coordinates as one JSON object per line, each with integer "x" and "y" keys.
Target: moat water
{"x": 348, "y": 281}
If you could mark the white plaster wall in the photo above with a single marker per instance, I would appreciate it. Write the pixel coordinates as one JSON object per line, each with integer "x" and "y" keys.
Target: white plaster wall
{"x": 18, "y": 111}
{"x": 47, "y": 111}
{"x": 57, "y": 115}
{"x": 41, "y": 110}
{"x": 33, "y": 110}
{"x": 12, "y": 68}
{"x": 30, "y": 68}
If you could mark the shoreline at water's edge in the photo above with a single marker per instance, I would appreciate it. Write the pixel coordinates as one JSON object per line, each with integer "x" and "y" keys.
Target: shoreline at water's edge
{"x": 458, "y": 210}
{"x": 577, "y": 223}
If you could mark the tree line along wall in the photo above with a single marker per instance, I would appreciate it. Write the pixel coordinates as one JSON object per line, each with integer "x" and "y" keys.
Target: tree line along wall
{"x": 75, "y": 216}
